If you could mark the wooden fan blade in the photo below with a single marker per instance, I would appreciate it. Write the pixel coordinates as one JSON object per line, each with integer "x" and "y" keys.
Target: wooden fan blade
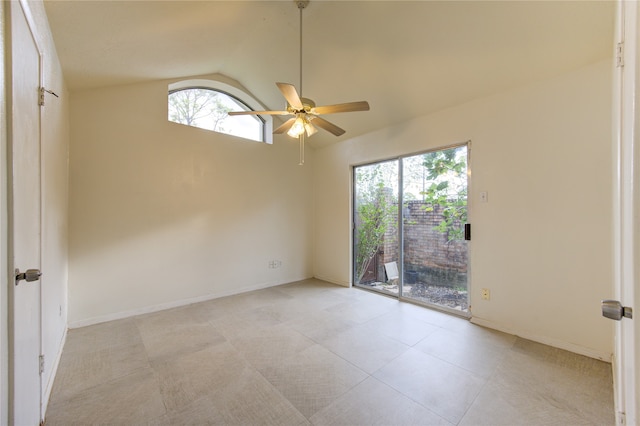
{"x": 285, "y": 127}
{"x": 348, "y": 107}
{"x": 258, "y": 113}
{"x": 290, "y": 94}
{"x": 329, "y": 127}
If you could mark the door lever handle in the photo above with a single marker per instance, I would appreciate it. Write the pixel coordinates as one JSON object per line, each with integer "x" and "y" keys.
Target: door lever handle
{"x": 614, "y": 310}
{"x": 29, "y": 275}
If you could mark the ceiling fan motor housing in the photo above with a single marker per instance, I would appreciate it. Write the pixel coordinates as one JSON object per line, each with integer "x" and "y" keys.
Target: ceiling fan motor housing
{"x": 307, "y": 106}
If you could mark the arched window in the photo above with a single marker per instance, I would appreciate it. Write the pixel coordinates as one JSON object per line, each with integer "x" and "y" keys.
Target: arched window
{"x": 205, "y": 104}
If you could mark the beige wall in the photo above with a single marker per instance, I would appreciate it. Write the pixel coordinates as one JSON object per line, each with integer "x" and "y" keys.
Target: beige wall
{"x": 542, "y": 244}
{"x": 163, "y": 214}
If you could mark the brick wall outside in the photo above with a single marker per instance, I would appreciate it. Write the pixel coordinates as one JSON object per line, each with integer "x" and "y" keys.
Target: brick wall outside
{"x": 428, "y": 255}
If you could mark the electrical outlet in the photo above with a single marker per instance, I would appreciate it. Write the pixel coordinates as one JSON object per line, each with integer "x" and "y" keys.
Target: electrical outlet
{"x": 274, "y": 264}
{"x": 486, "y": 294}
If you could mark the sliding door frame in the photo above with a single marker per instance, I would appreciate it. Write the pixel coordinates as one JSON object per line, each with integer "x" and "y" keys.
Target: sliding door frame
{"x": 400, "y": 225}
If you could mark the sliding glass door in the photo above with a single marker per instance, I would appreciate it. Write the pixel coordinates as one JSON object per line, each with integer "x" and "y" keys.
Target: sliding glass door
{"x": 375, "y": 237}
{"x": 409, "y": 228}
{"x": 434, "y": 255}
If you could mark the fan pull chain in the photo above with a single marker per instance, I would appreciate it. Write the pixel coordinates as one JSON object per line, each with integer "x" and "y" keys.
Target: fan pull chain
{"x": 301, "y": 150}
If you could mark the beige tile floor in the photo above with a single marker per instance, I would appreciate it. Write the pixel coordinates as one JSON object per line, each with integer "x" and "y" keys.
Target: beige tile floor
{"x": 313, "y": 353}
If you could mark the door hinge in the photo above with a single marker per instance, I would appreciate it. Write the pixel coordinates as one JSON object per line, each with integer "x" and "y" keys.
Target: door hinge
{"x": 42, "y": 91}
{"x": 467, "y": 231}
{"x": 41, "y": 358}
{"x": 622, "y": 416}
{"x": 620, "y": 55}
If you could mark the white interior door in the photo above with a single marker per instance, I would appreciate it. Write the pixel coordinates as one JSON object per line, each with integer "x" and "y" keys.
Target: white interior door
{"x": 25, "y": 308}
{"x": 626, "y": 124}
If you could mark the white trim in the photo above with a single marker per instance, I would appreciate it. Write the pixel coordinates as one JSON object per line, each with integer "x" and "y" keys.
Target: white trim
{"x": 626, "y": 205}
{"x": 616, "y": 108}
{"x": 54, "y": 370}
{"x": 233, "y": 90}
{"x": 170, "y": 305}
{"x": 560, "y": 344}
{"x": 32, "y": 24}
{"x": 4, "y": 255}
{"x": 335, "y": 281}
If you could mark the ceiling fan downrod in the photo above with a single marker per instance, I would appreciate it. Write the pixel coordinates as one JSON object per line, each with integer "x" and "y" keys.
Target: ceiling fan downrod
{"x": 302, "y": 4}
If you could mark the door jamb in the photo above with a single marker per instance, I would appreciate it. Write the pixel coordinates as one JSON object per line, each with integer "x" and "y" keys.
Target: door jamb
{"x": 625, "y": 205}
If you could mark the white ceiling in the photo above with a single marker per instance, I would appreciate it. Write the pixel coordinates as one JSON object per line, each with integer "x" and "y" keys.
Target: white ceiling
{"x": 406, "y": 58}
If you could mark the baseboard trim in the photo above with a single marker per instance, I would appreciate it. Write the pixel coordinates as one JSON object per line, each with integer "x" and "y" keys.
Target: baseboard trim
{"x": 333, "y": 281}
{"x": 556, "y": 343}
{"x": 169, "y": 305}
{"x": 54, "y": 371}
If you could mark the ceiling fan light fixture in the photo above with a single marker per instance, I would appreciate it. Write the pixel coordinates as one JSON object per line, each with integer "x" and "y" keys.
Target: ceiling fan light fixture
{"x": 310, "y": 129}
{"x": 298, "y": 127}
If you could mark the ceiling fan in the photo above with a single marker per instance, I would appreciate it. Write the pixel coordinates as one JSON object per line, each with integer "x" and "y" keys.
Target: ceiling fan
{"x": 306, "y": 115}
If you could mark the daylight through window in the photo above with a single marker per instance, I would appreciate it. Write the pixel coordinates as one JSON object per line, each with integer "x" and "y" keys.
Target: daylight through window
{"x": 207, "y": 109}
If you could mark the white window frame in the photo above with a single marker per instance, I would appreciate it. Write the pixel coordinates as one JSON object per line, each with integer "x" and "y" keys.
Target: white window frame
{"x": 234, "y": 92}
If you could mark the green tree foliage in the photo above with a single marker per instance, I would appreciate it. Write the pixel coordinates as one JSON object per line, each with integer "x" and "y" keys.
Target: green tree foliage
{"x": 376, "y": 209}
{"x": 198, "y": 107}
{"x": 447, "y": 188}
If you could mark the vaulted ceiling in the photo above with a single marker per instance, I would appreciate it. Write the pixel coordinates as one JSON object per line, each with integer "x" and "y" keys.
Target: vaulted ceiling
{"x": 406, "y": 58}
